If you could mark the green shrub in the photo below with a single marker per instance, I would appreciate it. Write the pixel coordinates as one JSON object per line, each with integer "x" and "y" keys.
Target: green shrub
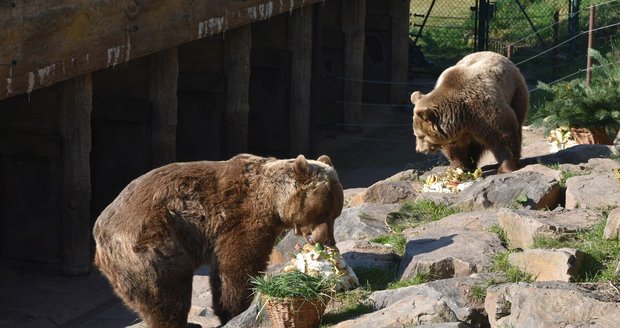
{"x": 573, "y": 103}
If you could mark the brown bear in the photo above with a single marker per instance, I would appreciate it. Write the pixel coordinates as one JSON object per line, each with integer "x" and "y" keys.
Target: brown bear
{"x": 478, "y": 104}
{"x": 170, "y": 221}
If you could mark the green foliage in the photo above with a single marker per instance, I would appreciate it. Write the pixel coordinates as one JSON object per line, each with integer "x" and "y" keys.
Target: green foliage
{"x": 565, "y": 175}
{"x": 512, "y": 273}
{"x": 417, "y": 279}
{"x": 602, "y": 255}
{"x": 293, "y": 284}
{"x": 573, "y": 103}
{"x": 374, "y": 278}
{"x": 396, "y": 240}
{"x": 501, "y": 233}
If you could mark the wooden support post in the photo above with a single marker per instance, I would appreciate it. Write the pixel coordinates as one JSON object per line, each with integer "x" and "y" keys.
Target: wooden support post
{"x": 163, "y": 76}
{"x": 399, "y": 10}
{"x": 75, "y": 134}
{"x": 353, "y": 25}
{"x": 300, "y": 45}
{"x": 237, "y": 61}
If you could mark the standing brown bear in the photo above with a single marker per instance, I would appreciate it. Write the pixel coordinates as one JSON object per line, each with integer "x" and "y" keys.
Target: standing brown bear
{"x": 478, "y": 104}
{"x": 170, "y": 221}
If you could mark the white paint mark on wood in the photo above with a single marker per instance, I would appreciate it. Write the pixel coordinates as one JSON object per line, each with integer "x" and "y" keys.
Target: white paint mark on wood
{"x": 114, "y": 55}
{"x": 291, "y": 6}
{"x": 46, "y": 72}
{"x": 212, "y": 26}
{"x": 261, "y": 12}
{"x": 87, "y": 58}
{"x": 30, "y": 83}
{"x": 9, "y": 82}
{"x": 281, "y": 5}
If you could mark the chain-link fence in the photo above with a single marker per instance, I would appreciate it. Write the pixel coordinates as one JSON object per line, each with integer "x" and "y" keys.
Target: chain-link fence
{"x": 442, "y": 32}
{"x": 547, "y": 38}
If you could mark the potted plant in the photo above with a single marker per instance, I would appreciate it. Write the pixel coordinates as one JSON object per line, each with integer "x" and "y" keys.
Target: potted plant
{"x": 591, "y": 112}
{"x": 294, "y": 299}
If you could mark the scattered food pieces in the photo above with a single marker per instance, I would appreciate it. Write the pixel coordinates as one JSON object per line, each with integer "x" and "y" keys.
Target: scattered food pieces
{"x": 323, "y": 260}
{"x": 453, "y": 180}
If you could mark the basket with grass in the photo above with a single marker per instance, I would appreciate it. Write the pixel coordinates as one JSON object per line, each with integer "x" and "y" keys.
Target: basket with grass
{"x": 294, "y": 299}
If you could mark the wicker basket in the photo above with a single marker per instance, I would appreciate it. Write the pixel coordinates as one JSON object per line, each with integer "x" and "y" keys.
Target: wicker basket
{"x": 295, "y": 312}
{"x": 591, "y": 136}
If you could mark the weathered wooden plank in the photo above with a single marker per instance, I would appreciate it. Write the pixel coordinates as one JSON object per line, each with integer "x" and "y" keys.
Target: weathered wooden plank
{"x": 55, "y": 40}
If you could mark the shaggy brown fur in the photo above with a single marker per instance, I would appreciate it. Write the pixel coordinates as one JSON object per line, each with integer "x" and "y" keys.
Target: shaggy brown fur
{"x": 170, "y": 221}
{"x": 478, "y": 104}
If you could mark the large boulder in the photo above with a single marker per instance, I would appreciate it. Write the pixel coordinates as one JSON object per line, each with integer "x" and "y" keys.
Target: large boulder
{"x": 447, "y": 253}
{"x": 549, "y": 264}
{"x": 549, "y": 304}
{"x": 522, "y": 226}
{"x": 363, "y": 222}
{"x": 474, "y": 220}
{"x": 442, "y": 303}
{"x": 387, "y": 192}
{"x": 597, "y": 190}
{"x": 522, "y": 189}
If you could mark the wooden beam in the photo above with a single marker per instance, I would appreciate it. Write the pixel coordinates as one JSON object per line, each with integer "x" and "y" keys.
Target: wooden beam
{"x": 52, "y": 40}
{"x": 399, "y": 11}
{"x": 353, "y": 25}
{"x": 163, "y": 76}
{"x": 237, "y": 62}
{"x": 75, "y": 114}
{"x": 300, "y": 44}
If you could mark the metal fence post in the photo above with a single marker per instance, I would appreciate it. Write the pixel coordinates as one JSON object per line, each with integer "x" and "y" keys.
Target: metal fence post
{"x": 590, "y": 44}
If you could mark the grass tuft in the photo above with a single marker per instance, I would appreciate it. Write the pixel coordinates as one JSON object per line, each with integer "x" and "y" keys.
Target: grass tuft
{"x": 512, "y": 273}
{"x": 374, "y": 278}
{"x": 293, "y": 284}
{"x": 396, "y": 240}
{"x": 351, "y": 304}
{"x": 412, "y": 214}
{"x": 418, "y": 279}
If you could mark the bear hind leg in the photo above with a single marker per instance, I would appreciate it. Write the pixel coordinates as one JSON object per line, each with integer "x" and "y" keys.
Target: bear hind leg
{"x": 169, "y": 307}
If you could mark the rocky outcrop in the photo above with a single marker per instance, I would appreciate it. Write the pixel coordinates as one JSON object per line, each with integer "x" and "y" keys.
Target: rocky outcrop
{"x": 456, "y": 254}
{"x": 562, "y": 264}
{"x": 448, "y": 253}
{"x": 549, "y": 304}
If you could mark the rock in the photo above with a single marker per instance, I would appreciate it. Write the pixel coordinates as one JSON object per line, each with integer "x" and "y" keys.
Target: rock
{"x": 443, "y": 198}
{"x": 446, "y": 300}
{"x": 544, "y": 170}
{"x": 387, "y": 192}
{"x": 522, "y": 226}
{"x": 351, "y": 193}
{"x": 407, "y": 175}
{"x": 474, "y": 220}
{"x": 447, "y": 253}
{"x": 612, "y": 228}
{"x": 505, "y": 190}
{"x": 595, "y": 190}
{"x": 253, "y": 317}
{"x": 360, "y": 253}
{"x": 549, "y": 264}
{"x": 618, "y": 270}
{"x": 363, "y": 222}
{"x": 413, "y": 311}
{"x": 548, "y": 304}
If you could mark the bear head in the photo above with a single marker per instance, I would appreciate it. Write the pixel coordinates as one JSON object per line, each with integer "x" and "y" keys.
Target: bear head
{"x": 425, "y": 127}
{"x": 315, "y": 201}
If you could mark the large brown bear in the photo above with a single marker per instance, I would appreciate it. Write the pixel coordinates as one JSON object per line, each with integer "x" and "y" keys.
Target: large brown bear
{"x": 170, "y": 221}
{"x": 478, "y": 104}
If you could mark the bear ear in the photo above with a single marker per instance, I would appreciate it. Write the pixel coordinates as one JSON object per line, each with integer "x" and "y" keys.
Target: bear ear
{"x": 301, "y": 167}
{"x": 416, "y": 96}
{"x": 325, "y": 159}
